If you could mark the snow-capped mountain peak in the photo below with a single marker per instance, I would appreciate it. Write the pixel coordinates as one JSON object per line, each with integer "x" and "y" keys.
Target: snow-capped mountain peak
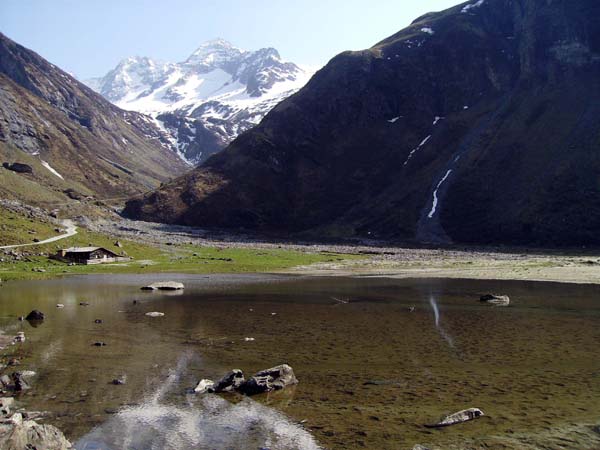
{"x": 129, "y": 78}
{"x": 214, "y": 54}
{"x": 206, "y": 101}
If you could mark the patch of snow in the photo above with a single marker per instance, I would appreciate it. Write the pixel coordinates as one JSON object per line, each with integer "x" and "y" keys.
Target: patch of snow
{"x": 47, "y": 166}
{"x": 410, "y": 155}
{"x": 427, "y": 30}
{"x": 435, "y": 197}
{"x": 394, "y": 120}
{"x": 467, "y": 8}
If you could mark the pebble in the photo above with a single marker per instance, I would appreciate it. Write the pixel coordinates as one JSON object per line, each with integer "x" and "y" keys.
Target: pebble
{"x": 119, "y": 381}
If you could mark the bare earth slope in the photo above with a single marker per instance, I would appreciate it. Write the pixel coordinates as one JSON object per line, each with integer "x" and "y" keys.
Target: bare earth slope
{"x": 477, "y": 124}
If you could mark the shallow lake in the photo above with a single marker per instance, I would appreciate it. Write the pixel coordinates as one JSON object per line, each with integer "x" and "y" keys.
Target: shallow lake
{"x": 372, "y": 370}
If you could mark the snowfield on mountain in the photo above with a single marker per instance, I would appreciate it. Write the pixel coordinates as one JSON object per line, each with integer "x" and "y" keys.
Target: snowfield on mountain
{"x": 206, "y": 101}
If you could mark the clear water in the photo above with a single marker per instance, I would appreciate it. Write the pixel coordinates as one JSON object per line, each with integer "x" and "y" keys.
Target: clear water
{"x": 371, "y": 372}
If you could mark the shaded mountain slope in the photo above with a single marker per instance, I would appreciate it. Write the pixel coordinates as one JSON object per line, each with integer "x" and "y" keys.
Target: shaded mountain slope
{"x": 72, "y": 137}
{"x": 477, "y": 125}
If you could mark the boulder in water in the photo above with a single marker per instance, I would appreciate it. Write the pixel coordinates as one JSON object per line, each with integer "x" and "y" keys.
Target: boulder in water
{"x": 204, "y": 386}
{"x": 164, "y": 286}
{"x": 19, "y": 381}
{"x": 459, "y": 417}
{"x": 269, "y": 380}
{"x": 155, "y": 314}
{"x": 35, "y": 315}
{"x": 497, "y": 300}
{"x": 229, "y": 383}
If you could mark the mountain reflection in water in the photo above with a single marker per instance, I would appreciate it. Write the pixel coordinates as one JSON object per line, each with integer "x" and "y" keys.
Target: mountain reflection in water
{"x": 206, "y": 421}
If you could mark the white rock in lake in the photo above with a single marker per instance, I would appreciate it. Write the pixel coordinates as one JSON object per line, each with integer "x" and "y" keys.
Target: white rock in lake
{"x": 459, "y": 417}
{"x": 204, "y": 386}
{"x": 164, "y": 286}
{"x": 155, "y": 314}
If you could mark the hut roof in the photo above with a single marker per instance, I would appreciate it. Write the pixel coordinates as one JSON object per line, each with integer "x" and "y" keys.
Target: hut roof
{"x": 81, "y": 249}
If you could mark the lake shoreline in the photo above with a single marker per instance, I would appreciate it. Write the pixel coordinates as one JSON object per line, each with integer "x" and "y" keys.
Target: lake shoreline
{"x": 169, "y": 249}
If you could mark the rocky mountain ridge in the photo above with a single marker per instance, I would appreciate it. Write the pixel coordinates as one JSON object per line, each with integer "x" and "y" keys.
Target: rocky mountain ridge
{"x": 72, "y": 139}
{"x": 206, "y": 101}
{"x": 473, "y": 125}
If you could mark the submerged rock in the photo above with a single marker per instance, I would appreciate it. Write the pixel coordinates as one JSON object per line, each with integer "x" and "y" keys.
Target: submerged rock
{"x": 498, "y": 300}
{"x": 229, "y": 383}
{"x": 268, "y": 380}
{"x": 35, "y": 315}
{"x": 204, "y": 386}
{"x": 164, "y": 286}
{"x": 459, "y": 417}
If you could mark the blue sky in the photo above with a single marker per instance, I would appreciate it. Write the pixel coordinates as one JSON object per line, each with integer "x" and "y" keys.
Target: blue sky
{"x": 89, "y": 37}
